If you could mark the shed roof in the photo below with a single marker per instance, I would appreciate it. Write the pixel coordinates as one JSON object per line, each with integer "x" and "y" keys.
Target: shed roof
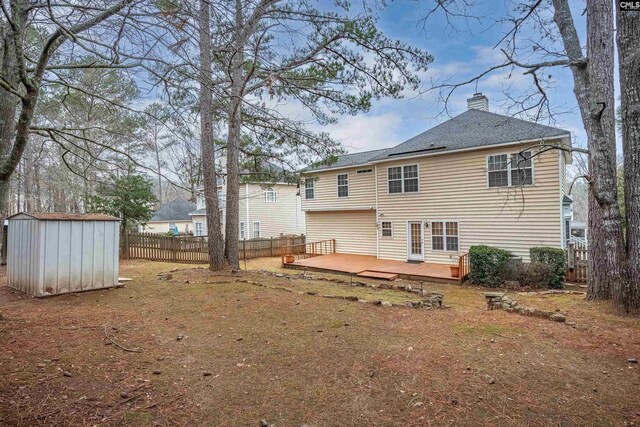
{"x": 175, "y": 210}
{"x": 61, "y": 216}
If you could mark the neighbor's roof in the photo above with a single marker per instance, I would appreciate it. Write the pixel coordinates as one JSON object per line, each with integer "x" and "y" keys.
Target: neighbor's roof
{"x": 60, "y": 216}
{"x": 469, "y": 130}
{"x": 352, "y": 159}
{"x": 175, "y": 210}
{"x": 202, "y": 211}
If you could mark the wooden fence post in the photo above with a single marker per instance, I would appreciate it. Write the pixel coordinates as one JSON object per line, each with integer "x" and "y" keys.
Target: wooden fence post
{"x": 244, "y": 250}
{"x": 271, "y": 245}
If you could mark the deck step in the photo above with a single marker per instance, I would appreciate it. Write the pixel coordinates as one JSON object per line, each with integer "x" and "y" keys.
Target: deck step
{"x": 378, "y": 275}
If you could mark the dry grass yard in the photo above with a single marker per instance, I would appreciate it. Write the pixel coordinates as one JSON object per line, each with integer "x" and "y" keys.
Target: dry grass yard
{"x": 197, "y": 348}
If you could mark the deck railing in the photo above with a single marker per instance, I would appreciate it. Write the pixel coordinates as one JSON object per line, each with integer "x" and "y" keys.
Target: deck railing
{"x": 464, "y": 267}
{"x": 291, "y": 253}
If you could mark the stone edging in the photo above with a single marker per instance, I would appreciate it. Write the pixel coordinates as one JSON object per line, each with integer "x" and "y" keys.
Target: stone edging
{"x": 500, "y": 301}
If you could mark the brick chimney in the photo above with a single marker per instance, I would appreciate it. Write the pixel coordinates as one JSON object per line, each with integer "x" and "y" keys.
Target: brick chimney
{"x": 478, "y": 102}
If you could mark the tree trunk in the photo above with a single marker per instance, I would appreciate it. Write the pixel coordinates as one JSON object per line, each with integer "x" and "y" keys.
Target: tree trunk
{"x": 215, "y": 241}
{"x": 231, "y": 251}
{"x": 158, "y": 164}
{"x": 628, "y": 26}
{"x": 593, "y": 87}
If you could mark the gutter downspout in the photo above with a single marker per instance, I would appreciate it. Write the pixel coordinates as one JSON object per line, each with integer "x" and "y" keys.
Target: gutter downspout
{"x": 246, "y": 195}
{"x": 375, "y": 175}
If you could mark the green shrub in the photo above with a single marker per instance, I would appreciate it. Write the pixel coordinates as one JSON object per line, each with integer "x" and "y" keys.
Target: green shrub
{"x": 555, "y": 259}
{"x": 488, "y": 265}
{"x": 535, "y": 274}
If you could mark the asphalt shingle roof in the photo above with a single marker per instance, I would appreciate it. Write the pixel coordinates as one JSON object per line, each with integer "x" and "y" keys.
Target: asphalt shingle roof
{"x": 471, "y": 129}
{"x": 175, "y": 210}
{"x": 353, "y": 159}
{"x": 202, "y": 211}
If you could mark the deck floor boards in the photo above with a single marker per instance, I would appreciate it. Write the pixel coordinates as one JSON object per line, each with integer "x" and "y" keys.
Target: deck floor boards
{"x": 352, "y": 263}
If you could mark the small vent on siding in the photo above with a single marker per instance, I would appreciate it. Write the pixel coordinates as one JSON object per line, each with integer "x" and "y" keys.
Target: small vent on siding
{"x": 365, "y": 171}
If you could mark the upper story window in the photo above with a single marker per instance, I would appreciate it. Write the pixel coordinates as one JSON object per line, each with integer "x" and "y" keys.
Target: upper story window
{"x": 444, "y": 236}
{"x": 403, "y": 179}
{"x": 343, "y": 185}
{"x": 506, "y": 170}
{"x": 309, "y": 192}
{"x": 270, "y": 195}
{"x": 364, "y": 171}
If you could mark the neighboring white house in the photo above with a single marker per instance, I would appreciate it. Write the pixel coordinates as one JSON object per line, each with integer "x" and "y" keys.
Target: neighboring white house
{"x": 173, "y": 216}
{"x": 266, "y": 210}
{"x": 478, "y": 178}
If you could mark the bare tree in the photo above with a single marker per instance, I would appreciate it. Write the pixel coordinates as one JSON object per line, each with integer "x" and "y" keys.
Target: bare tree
{"x": 555, "y": 43}
{"x": 628, "y": 34}
{"x": 214, "y": 223}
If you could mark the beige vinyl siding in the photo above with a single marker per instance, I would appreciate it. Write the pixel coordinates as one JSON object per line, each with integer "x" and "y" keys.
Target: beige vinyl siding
{"x": 162, "y": 227}
{"x": 362, "y": 193}
{"x": 454, "y": 187}
{"x": 280, "y": 217}
{"x": 354, "y": 231}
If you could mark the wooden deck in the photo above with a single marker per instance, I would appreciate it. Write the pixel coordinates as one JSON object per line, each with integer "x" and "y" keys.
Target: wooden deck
{"x": 355, "y": 264}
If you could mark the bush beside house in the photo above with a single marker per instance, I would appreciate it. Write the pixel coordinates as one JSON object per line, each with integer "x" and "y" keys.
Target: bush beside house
{"x": 554, "y": 260}
{"x": 491, "y": 267}
{"x": 488, "y": 265}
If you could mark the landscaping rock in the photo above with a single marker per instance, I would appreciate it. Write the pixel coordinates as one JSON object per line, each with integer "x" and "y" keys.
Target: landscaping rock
{"x": 558, "y": 317}
{"x": 385, "y": 303}
{"x": 492, "y": 380}
{"x": 632, "y": 360}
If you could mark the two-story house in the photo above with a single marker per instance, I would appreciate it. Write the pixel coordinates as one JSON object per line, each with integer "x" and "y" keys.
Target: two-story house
{"x": 266, "y": 210}
{"x": 478, "y": 178}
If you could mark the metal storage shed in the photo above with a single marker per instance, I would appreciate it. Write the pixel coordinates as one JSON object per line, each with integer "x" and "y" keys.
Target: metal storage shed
{"x": 57, "y": 253}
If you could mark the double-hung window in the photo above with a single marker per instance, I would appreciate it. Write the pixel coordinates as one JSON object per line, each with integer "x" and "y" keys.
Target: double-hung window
{"x": 256, "y": 229}
{"x": 506, "y": 170}
{"x": 243, "y": 230}
{"x": 199, "y": 229}
{"x": 343, "y": 185}
{"x": 221, "y": 199}
{"x": 386, "y": 228}
{"x": 403, "y": 179}
{"x": 444, "y": 236}
{"x": 270, "y": 195}
{"x": 309, "y": 192}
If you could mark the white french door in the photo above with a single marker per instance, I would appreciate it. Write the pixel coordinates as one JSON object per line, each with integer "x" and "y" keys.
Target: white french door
{"x": 415, "y": 241}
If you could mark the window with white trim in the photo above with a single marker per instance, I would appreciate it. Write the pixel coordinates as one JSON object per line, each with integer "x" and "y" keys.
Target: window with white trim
{"x": 256, "y": 229}
{"x": 199, "y": 231}
{"x": 444, "y": 236}
{"x": 386, "y": 229}
{"x": 270, "y": 195}
{"x": 220, "y": 198}
{"x": 507, "y": 170}
{"x": 403, "y": 179}
{"x": 309, "y": 192}
{"x": 243, "y": 230}
{"x": 343, "y": 185}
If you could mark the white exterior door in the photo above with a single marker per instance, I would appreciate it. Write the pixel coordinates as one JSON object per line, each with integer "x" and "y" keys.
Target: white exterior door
{"x": 415, "y": 241}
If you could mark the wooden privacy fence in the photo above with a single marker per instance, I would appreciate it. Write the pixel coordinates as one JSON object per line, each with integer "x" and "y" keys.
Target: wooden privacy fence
{"x": 576, "y": 263}
{"x": 193, "y": 249}
{"x": 291, "y": 253}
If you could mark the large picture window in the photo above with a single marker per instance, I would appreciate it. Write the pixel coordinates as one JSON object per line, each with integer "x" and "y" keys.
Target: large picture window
{"x": 403, "y": 179}
{"x": 444, "y": 236}
{"x": 343, "y": 185}
{"x": 309, "y": 192}
{"x": 506, "y": 170}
